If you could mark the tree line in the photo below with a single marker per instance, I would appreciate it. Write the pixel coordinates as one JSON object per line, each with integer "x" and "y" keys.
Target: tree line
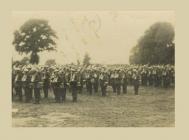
{"x": 156, "y": 46}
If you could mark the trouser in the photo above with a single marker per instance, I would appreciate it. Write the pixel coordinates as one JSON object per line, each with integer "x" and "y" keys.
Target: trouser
{"x": 118, "y": 89}
{"x": 74, "y": 94}
{"x": 62, "y": 94}
{"x": 96, "y": 87}
{"x": 103, "y": 90}
{"x": 136, "y": 87}
{"x": 114, "y": 87}
{"x": 28, "y": 94}
{"x": 37, "y": 95}
{"x": 80, "y": 88}
{"x": 90, "y": 88}
{"x": 124, "y": 86}
{"x": 55, "y": 92}
{"x": 45, "y": 90}
{"x": 19, "y": 92}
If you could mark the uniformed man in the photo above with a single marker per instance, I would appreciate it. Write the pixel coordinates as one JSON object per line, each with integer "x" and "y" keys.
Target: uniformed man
{"x": 46, "y": 82}
{"x": 18, "y": 83}
{"x": 117, "y": 77}
{"x": 54, "y": 84}
{"x": 36, "y": 80}
{"x": 124, "y": 81}
{"x": 73, "y": 84}
{"x": 103, "y": 80}
{"x": 96, "y": 82}
{"x": 26, "y": 80}
{"x": 136, "y": 81}
{"x": 61, "y": 83}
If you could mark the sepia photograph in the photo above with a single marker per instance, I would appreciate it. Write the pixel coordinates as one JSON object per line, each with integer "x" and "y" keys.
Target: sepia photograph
{"x": 93, "y": 68}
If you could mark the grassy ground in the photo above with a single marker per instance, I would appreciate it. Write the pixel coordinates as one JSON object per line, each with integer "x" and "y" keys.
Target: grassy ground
{"x": 153, "y": 107}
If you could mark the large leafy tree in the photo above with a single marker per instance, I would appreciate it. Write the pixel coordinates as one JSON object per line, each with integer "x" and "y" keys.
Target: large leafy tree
{"x": 34, "y": 36}
{"x": 156, "y": 46}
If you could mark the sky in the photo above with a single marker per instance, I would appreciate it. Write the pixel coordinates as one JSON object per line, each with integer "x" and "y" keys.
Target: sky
{"x": 107, "y": 36}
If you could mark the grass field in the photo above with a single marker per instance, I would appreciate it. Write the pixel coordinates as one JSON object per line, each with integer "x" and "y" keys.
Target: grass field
{"x": 153, "y": 107}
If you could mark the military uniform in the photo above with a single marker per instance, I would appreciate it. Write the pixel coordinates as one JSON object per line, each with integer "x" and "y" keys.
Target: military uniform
{"x": 61, "y": 83}
{"x": 46, "y": 83}
{"x": 73, "y": 84}
{"x": 124, "y": 82}
{"x": 103, "y": 80}
{"x": 36, "y": 80}
{"x": 136, "y": 82}
{"x": 18, "y": 85}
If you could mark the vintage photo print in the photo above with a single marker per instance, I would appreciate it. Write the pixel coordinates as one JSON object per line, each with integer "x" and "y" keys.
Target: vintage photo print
{"x": 93, "y": 68}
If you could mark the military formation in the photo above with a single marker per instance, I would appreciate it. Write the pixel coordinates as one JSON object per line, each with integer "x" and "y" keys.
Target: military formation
{"x": 29, "y": 82}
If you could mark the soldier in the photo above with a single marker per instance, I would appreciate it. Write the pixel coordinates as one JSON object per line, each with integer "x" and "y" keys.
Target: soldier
{"x": 61, "y": 83}
{"x": 144, "y": 76}
{"x": 124, "y": 81}
{"x": 36, "y": 79}
{"x": 73, "y": 84}
{"x": 80, "y": 81}
{"x": 95, "y": 76}
{"x": 112, "y": 81}
{"x": 46, "y": 83}
{"x": 26, "y": 79}
{"x": 117, "y": 77}
{"x": 54, "y": 83}
{"x": 136, "y": 81}
{"x": 88, "y": 82}
{"x": 18, "y": 83}
{"x": 103, "y": 82}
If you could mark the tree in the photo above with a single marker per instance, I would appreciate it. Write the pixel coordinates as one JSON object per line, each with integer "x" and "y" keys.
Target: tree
{"x": 50, "y": 62}
{"x": 86, "y": 60}
{"x": 156, "y": 46}
{"x": 34, "y": 36}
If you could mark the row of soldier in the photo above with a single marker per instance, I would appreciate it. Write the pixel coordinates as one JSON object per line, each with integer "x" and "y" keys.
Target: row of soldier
{"x": 32, "y": 78}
